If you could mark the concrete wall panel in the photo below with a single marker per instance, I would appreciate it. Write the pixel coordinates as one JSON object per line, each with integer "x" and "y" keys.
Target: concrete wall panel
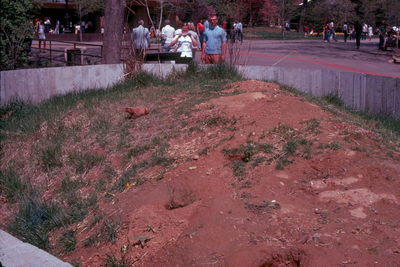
{"x": 358, "y": 91}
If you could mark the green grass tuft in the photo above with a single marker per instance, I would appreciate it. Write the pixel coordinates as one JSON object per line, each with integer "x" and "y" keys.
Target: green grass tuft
{"x": 68, "y": 241}
{"x": 12, "y": 186}
{"x": 35, "y": 220}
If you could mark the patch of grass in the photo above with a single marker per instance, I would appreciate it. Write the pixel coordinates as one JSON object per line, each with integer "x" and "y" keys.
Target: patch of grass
{"x": 284, "y": 131}
{"x": 77, "y": 208}
{"x": 239, "y": 168}
{"x": 290, "y": 147}
{"x": 335, "y": 145}
{"x": 385, "y": 125}
{"x": 109, "y": 230}
{"x": 334, "y": 100}
{"x": 68, "y": 185}
{"x": 258, "y": 160}
{"x": 138, "y": 150}
{"x": 96, "y": 219}
{"x": 113, "y": 261}
{"x": 266, "y": 33}
{"x": 12, "y": 186}
{"x": 282, "y": 162}
{"x": 359, "y": 149}
{"x": 100, "y": 126}
{"x": 50, "y": 156}
{"x": 219, "y": 72}
{"x": 122, "y": 182}
{"x": 216, "y": 121}
{"x": 84, "y": 161}
{"x": 35, "y": 220}
{"x": 27, "y": 118}
{"x": 313, "y": 126}
{"x": 245, "y": 154}
{"x": 68, "y": 241}
{"x": 307, "y": 151}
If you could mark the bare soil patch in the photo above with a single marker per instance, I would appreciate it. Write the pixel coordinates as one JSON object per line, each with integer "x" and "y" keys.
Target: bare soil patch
{"x": 253, "y": 176}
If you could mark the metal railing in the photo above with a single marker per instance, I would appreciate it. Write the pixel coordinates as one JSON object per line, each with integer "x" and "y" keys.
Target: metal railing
{"x": 65, "y": 48}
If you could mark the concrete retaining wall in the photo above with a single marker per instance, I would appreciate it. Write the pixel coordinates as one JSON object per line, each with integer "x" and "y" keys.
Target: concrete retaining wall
{"x": 15, "y": 253}
{"x": 36, "y": 85}
{"x": 363, "y": 92}
{"x": 374, "y": 94}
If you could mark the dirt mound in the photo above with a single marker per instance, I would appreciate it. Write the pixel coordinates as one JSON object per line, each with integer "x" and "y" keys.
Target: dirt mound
{"x": 260, "y": 178}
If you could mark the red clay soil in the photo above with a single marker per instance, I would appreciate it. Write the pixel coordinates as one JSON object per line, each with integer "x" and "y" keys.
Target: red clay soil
{"x": 338, "y": 208}
{"x": 336, "y": 204}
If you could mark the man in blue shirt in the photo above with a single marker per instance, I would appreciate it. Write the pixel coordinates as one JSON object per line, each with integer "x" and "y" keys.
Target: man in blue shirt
{"x": 214, "y": 43}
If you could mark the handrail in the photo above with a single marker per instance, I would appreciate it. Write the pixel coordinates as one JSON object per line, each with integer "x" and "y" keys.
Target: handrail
{"x": 67, "y": 42}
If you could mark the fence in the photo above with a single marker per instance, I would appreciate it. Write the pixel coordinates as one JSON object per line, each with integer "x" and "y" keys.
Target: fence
{"x": 363, "y": 92}
{"x": 66, "y": 52}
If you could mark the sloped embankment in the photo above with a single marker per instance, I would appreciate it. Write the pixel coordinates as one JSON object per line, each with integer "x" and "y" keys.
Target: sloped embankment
{"x": 246, "y": 176}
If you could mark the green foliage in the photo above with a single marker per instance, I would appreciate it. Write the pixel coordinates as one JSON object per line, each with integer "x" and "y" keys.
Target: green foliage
{"x": 35, "y": 220}
{"x": 12, "y": 186}
{"x": 68, "y": 241}
{"x": 15, "y": 31}
{"x": 84, "y": 161}
{"x": 50, "y": 156}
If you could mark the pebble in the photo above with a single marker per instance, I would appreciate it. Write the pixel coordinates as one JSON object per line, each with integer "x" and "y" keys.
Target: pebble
{"x": 316, "y": 237}
{"x": 196, "y": 157}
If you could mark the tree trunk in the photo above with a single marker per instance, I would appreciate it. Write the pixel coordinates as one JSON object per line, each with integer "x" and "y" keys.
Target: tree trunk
{"x": 113, "y": 31}
{"x": 302, "y": 16}
{"x": 161, "y": 14}
{"x": 80, "y": 23}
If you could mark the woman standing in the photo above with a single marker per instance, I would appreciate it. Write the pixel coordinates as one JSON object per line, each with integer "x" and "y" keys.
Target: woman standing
{"x": 370, "y": 32}
{"x": 185, "y": 43}
{"x": 41, "y": 34}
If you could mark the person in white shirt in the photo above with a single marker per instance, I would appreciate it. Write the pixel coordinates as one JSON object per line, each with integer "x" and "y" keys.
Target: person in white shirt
{"x": 364, "y": 31}
{"x": 167, "y": 35}
{"x": 238, "y": 28}
{"x": 370, "y": 32}
{"x": 192, "y": 30}
{"x": 185, "y": 42}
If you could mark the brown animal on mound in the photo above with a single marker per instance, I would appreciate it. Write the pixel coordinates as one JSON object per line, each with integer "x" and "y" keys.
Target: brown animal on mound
{"x": 137, "y": 112}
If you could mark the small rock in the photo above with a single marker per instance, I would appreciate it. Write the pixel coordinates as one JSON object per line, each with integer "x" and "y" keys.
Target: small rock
{"x": 196, "y": 157}
{"x": 303, "y": 239}
{"x": 316, "y": 237}
{"x": 192, "y": 168}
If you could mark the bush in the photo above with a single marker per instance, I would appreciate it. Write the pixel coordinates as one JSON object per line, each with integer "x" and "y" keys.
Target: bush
{"x": 16, "y": 32}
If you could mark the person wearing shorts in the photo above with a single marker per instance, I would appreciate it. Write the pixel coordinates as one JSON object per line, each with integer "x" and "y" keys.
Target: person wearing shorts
{"x": 214, "y": 43}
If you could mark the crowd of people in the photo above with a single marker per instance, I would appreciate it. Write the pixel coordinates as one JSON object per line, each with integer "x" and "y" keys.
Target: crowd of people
{"x": 206, "y": 36}
{"x": 388, "y": 36}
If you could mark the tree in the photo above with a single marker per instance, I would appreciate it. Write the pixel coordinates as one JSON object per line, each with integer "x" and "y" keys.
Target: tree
{"x": 303, "y": 15}
{"x": 270, "y": 12}
{"x": 16, "y": 32}
{"x": 324, "y": 11}
{"x": 113, "y": 30}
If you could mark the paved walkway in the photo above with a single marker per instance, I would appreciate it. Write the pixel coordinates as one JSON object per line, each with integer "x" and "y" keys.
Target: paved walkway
{"x": 316, "y": 54}
{"x": 310, "y": 54}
